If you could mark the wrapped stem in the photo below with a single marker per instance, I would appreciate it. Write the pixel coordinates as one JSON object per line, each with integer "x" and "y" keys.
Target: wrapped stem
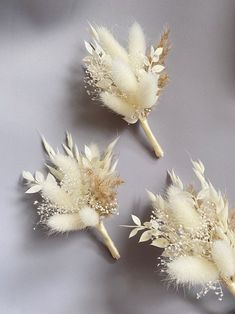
{"x": 108, "y": 241}
{"x": 156, "y": 147}
{"x": 230, "y": 284}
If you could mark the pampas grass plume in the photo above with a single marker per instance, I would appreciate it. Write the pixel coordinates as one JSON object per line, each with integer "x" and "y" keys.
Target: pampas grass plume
{"x": 182, "y": 208}
{"x": 65, "y": 223}
{"x": 136, "y": 40}
{"x": 124, "y": 77}
{"x": 192, "y": 270}
{"x": 111, "y": 45}
{"x": 52, "y": 191}
{"x": 89, "y": 217}
{"x": 147, "y": 90}
{"x": 224, "y": 257}
{"x": 117, "y": 104}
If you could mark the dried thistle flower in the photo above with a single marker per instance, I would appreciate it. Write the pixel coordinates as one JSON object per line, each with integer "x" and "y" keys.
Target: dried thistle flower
{"x": 128, "y": 82}
{"x": 195, "y": 229}
{"x": 79, "y": 191}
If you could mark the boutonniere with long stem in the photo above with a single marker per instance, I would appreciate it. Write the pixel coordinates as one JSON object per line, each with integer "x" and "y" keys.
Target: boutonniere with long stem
{"x": 79, "y": 191}
{"x": 129, "y": 82}
{"x": 196, "y": 230}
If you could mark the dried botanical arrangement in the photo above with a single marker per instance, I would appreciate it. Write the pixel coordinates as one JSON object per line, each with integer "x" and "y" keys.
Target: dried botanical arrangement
{"x": 129, "y": 82}
{"x": 195, "y": 229}
{"x": 79, "y": 191}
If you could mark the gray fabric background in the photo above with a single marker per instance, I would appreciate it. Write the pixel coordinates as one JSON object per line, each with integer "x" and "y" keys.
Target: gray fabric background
{"x": 41, "y": 90}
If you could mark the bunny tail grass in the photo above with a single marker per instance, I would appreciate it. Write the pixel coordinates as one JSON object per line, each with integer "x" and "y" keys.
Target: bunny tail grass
{"x": 230, "y": 285}
{"x": 156, "y": 147}
{"x": 107, "y": 240}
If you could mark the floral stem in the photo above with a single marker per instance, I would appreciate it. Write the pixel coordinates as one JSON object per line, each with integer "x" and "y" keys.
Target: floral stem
{"x": 107, "y": 240}
{"x": 230, "y": 284}
{"x": 156, "y": 147}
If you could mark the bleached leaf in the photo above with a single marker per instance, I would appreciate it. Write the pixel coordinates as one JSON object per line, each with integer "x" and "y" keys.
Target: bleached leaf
{"x": 157, "y": 68}
{"x": 69, "y": 140}
{"x": 27, "y": 176}
{"x": 34, "y": 189}
{"x": 93, "y": 32}
{"x": 146, "y": 61}
{"x": 114, "y": 166}
{"x": 76, "y": 152}
{"x": 151, "y": 196}
{"x": 175, "y": 179}
{"x": 39, "y": 176}
{"x": 152, "y": 51}
{"x": 88, "y": 47}
{"x": 68, "y": 151}
{"x": 158, "y": 51}
{"x": 88, "y": 153}
{"x": 155, "y": 59}
{"x": 145, "y": 236}
{"x": 55, "y": 172}
{"x": 160, "y": 242}
{"x": 136, "y": 220}
{"x": 50, "y": 151}
{"x": 133, "y": 232}
{"x": 50, "y": 178}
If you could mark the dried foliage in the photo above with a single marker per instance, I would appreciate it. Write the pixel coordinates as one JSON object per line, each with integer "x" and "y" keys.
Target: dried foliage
{"x": 195, "y": 229}
{"x": 79, "y": 191}
{"x": 127, "y": 81}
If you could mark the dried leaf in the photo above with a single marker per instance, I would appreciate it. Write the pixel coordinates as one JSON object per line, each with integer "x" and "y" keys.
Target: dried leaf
{"x": 88, "y": 47}
{"x": 133, "y": 232}
{"x": 160, "y": 242}
{"x": 27, "y": 176}
{"x": 146, "y": 236}
{"x": 34, "y": 189}
{"x": 136, "y": 220}
{"x": 157, "y": 68}
{"x": 39, "y": 176}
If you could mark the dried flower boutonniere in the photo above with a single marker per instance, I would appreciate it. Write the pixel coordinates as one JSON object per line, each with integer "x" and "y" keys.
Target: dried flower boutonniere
{"x": 79, "y": 191}
{"x": 127, "y": 82}
{"x": 196, "y": 229}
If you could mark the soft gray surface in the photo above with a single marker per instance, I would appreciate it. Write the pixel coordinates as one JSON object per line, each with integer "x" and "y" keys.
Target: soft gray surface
{"x": 41, "y": 90}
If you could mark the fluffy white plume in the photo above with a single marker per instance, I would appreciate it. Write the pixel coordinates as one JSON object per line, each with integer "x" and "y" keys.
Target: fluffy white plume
{"x": 111, "y": 45}
{"x": 147, "y": 90}
{"x": 136, "y": 40}
{"x": 123, "y": 77}
{"x": 89, "y": 217}
{"x": 116, "y": 104}
{"x": 51, "y": 190}
{"x": 224, "y": 257}
{"x": 182, "y": 208}
{"x": 65, "y": 223}
{"x": 192, "y": 270}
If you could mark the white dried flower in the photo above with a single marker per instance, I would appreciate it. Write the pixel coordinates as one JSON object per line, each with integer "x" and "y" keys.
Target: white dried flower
{"x": 79, "y": 191}
{"x": 192, "y": 270}
{"x": 128, "y": 82}
{"x": 196, "y": 231}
